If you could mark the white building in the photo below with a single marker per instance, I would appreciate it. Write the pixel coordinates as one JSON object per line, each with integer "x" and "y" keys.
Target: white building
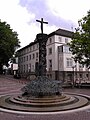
{"x": 60, "y": 64}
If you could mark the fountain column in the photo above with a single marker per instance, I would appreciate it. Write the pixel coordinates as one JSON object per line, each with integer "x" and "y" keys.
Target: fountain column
{"x": 42, "y": 40}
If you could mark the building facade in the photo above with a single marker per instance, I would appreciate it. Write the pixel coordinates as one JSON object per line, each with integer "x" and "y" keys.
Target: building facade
{"x": 60, "y": 64}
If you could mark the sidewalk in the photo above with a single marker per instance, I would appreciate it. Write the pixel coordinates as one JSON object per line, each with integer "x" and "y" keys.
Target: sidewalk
{"x": 10, "y": 85}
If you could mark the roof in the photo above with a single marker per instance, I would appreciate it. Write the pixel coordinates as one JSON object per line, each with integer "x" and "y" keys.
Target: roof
{"x": 32, "y": 43}
{"x": 62, "y": 32}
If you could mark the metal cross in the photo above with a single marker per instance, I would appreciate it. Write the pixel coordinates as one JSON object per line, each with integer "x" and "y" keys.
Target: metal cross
{"x": 42, "y": 24}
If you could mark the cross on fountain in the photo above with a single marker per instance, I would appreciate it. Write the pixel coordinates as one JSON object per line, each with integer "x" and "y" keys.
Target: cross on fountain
{"x": 42, "y": 24}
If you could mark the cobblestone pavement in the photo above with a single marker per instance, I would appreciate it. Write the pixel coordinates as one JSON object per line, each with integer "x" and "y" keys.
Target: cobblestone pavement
{"x": 10, "y": 85}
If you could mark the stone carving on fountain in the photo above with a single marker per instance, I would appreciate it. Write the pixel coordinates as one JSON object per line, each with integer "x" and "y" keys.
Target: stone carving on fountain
{"x": 42, "y": 86}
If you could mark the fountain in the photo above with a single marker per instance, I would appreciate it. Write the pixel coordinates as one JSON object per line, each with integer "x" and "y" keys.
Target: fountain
{"x": 43, "y": 94}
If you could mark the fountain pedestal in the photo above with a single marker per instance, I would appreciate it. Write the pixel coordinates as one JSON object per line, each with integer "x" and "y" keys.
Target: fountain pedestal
{"x": 42, "y": 87}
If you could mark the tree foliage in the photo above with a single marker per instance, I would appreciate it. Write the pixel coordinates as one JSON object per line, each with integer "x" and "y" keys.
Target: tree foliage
{"x": 80, "y": 45}
{"x": 8, "y": 42}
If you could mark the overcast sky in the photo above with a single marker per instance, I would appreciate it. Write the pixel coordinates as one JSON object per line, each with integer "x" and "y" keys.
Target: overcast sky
{"x": 22, "y": 15}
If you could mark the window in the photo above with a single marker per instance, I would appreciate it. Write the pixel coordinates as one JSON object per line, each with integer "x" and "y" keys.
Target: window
{"x": 50, "y": 63}
{"x": 50, "y": 51}
{"x": 66, "y": 40}
{"x": 33, "y": 56}
{"x": 23, "y": 52}
{"x": 27, "y": 50}
{"x": 50, "y": 40}
{"x": 29, "y": 67}
{"x": 24, "y": 68}
{"x": 33, "y": 47}
{"x": 80, "y": 75}
{"x": 36, "y": 54}
{"x": 60, "y": 49}
{"x": 30, "y": 48}
{"x": 60, "y": 39}
{"x": 29, "y": 57}
{"x": 33, "y": 68}
{"x": 66, "y": 49}
{"x": 87, "y": 75}
{"x": 24, "y": 59}
{"x": 69, "y": 62}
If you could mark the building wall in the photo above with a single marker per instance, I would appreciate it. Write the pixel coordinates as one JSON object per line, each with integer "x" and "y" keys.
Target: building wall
{"x": 57, "y": 65}
{"x": 28, "y": 58}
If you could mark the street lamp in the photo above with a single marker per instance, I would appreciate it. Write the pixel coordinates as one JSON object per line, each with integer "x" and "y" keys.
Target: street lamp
{"x": 73, "y": 81}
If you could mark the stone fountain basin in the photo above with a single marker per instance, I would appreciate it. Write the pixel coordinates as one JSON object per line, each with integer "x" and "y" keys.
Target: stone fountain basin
{"x": 64, "y": 102}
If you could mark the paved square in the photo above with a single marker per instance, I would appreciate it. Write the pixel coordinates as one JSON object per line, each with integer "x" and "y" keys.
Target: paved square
{"x": 9, "y": 85}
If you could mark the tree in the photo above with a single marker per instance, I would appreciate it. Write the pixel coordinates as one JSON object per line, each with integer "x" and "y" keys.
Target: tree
{"x": 80, "y": 44}
{"x": 9, "y": 42}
